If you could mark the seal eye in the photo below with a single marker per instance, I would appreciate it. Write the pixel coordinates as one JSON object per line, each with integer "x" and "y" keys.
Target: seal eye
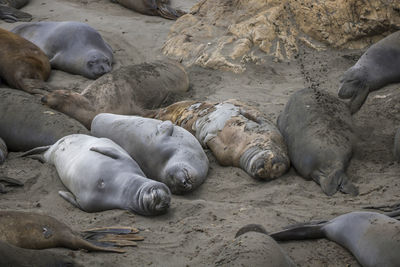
{"x": 101, "y": 184}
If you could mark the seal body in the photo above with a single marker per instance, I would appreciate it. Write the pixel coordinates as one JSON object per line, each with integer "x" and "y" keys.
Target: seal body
{"x": 237, "y": 134}
{"x": 71, "y": 46}
{"x": 373, "y": 238}
{"x": 165, "y": 152}
{"x": 3, "y": 151}
{"x": 396, "y": 148}
{"x": 23, "y": 65}
{"x": 102, "y": 176}
{"x": 9, "y": 11}
{"x": 130, "y": 90}
{"x": 318, "y": 130}
{"x": 152, "y": 7}
{"x": 377, "y": 67}
{"x": 25, "y": 123}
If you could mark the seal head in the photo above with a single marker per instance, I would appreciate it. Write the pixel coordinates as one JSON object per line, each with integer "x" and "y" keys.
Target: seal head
{"x": 97, "y": 64}
{"x": 180, "y": 178}
{"x": 153, "y": 198}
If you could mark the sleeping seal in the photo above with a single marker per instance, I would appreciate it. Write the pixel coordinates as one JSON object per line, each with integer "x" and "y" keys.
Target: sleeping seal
{"x": 318, "y": 130}
{"x": 377, "y": 67}
{"x": 373, "y": 238}
{"x": 71, "y": 46}
{"x": 160, "y": 8}
{"x": 164, "y": 152}
{"x": 102, "y": 176}
{"x": 9, "y": 11}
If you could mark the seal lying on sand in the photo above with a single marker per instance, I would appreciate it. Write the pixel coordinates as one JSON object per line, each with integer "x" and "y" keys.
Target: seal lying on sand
{"x": 25, "y": 123}
{"x": 102, "y": 176}
{"x": 23, "y": 65}
{"x": 373, "y": 238}
{"x": 71, "y": 46}
{"x": 130, "y": 90}
{"x": 152, "y": 7}
{"x": 164, "y": 152}
{"x": 9, "y": 11}
{"x": 237, "y": 134}
{"x": 253, "y": 249}
{"x": 317, "y": 128}
{"x": 19, "y": 257}
{"x": 377, "y": 67}
{"x": 38, "y": 231}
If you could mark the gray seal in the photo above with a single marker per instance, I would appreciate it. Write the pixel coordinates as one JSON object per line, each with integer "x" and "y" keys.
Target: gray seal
{"x": 317, "y": 128}
{"x": 165, "y": 152}
{"x": 9, "y": 11}
{"x": 377, "y": 67}
{"x": 160, "y": 8}
{"x": 396, "y": 148}
{"x": 3, "y": 151}
{"x": 101, "y": 176}
{"x": 71, "y": 46}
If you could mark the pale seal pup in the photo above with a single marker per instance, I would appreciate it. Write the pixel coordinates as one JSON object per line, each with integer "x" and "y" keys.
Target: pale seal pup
{"x": 23, "y": 65}
{"x": 130, "y": 90}
{"x": 160, "y": 8}
{"x": 373, "y": 238}
{"x": 100, "y": 176}
{"x": 237, "y": 134}
{"x": 38, "y": 231}
{"x": 9, "y": 11}
{"x": 377, "y": 67}
{"x": 165, "y": 152}
{"x": 71, "y": 46}
{"x": 25, "y": 123}
{"x": 318, "y": 131}
{"x": 3, "y": 151}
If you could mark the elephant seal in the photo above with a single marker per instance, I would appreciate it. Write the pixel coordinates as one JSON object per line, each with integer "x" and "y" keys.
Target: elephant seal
{"x": 25, "y": 123}
{"x": 3, "y": 151}
{"x": 377, "y": 67}
{"x": 9, "y": 11}
{"x": 102, "y": 176}
{"x": 166, "y": 153}
{"x": 71, "y": 46}
{"x": 38, "y": 231}
{"x": 160, "y": 8}
{"x": 237, "y": 134}
{"x": 253, "y": 249}
{"x": 19, "y": 257}
{"x": 318, "y": 130}
{"x": 396, "y": 148}
{"x": 130, "y": 90}
{"x": 23, "y": 65}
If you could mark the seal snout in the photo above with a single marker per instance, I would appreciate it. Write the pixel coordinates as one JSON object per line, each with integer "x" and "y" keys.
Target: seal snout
{"x": 156, "y": 199}
{"x": 181, "y": 180}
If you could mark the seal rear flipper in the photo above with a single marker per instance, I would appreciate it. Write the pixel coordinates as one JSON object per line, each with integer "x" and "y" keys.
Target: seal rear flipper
{"x": 33, "y": 153}
{"x": 11, "y": 181}
{"x": 69, "y": 197}
{"x": 107, "y": 151}
{"x": 11, "y": 15}
{"x": 329, "y": 184}
{"x": 166, "y": 11}
{"x": 311, "y": 230}
{"x": 347, "y": 187}
{"x": 112, "y": 230}
{"x": 251, "y": 228}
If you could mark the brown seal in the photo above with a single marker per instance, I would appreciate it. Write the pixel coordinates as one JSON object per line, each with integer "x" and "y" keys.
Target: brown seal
{"x": 130, "y": 90}
{"x": 22, "y": 64}
{"x": 38, "y": 231}
{"x": 237, "y": 134}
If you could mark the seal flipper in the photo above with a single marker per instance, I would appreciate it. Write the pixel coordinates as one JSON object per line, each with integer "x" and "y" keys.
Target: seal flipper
{"x": 107, "y": 151}
{"x": 11, "y": 14}
{"x": 33, "y": 153}
{"x": 311, "y": 230}
{"x": 356, "y": 90}
{"x": 166, "y": 11}
{"x": 11, "y": 181}
{"x": 69, "y": 197}
{"x": 333, "y": 182}
{"x": 165, "y": 128}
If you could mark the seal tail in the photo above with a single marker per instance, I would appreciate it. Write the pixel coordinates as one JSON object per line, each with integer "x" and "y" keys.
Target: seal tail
{"x": 310, "y": 230}
{"x": 34, "y": 153}
{"x": 165, "y": 11}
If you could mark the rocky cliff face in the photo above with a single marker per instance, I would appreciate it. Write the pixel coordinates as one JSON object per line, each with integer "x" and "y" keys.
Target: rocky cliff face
{"x": 225, "y": 34}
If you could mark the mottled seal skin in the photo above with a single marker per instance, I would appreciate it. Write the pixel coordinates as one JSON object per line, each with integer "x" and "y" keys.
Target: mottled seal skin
{"x": 253, "y": 249}
{"x": 13, "y": 256}
{"x": 38, "y": 231}
{"x": 25, "y": 123}
{"x": 164, "y": 152}
{"x": 101, "y": 176}
{"x": 152, "y": 7}
{"x": 3, "y": 151}
{"x": 377, "y": 67}
{"x": 23, "y": 65}
{"x": 71, "y": 46}
{"x": 373, "y": 238}
{"x": 9, "y": 11}
{"x": 237, "y": 134}
{"x": 318, "y": 131}
{"x": 130, "y": 90}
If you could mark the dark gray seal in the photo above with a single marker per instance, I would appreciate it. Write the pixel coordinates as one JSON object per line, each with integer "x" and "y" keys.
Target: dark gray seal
{"x": 396, "y": 148}
{"x": 9, "y": 11}
{"x": 317, "y": 128}
{"x": 377, "y": 67}
{"x": 165, "y": 152}
{"x": 3, "y": 151}
{"x": 71, "y": 46}
{"x": 100, "y": 176}
{"x": 25, "y": 123}
{"x": 160, "y": 8}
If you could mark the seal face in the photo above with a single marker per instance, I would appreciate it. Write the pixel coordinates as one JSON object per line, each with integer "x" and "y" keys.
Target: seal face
{"x": 377, "y": 67}
{"x": 71, "y": 46}
{"x": 165, "y": 152}
{"x": 100, "y": 176}
{"x": 318, "y": 130}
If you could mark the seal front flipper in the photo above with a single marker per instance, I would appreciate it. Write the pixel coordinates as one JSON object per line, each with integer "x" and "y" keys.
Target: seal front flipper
{"x": 165, "y": 128}
{"x": 107, "y": 151}
{"x": 312, "y": 230}
{"x": 70, "y": 198}
{"x": 11, "y": 15}
{"x": 357, "y": 91}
